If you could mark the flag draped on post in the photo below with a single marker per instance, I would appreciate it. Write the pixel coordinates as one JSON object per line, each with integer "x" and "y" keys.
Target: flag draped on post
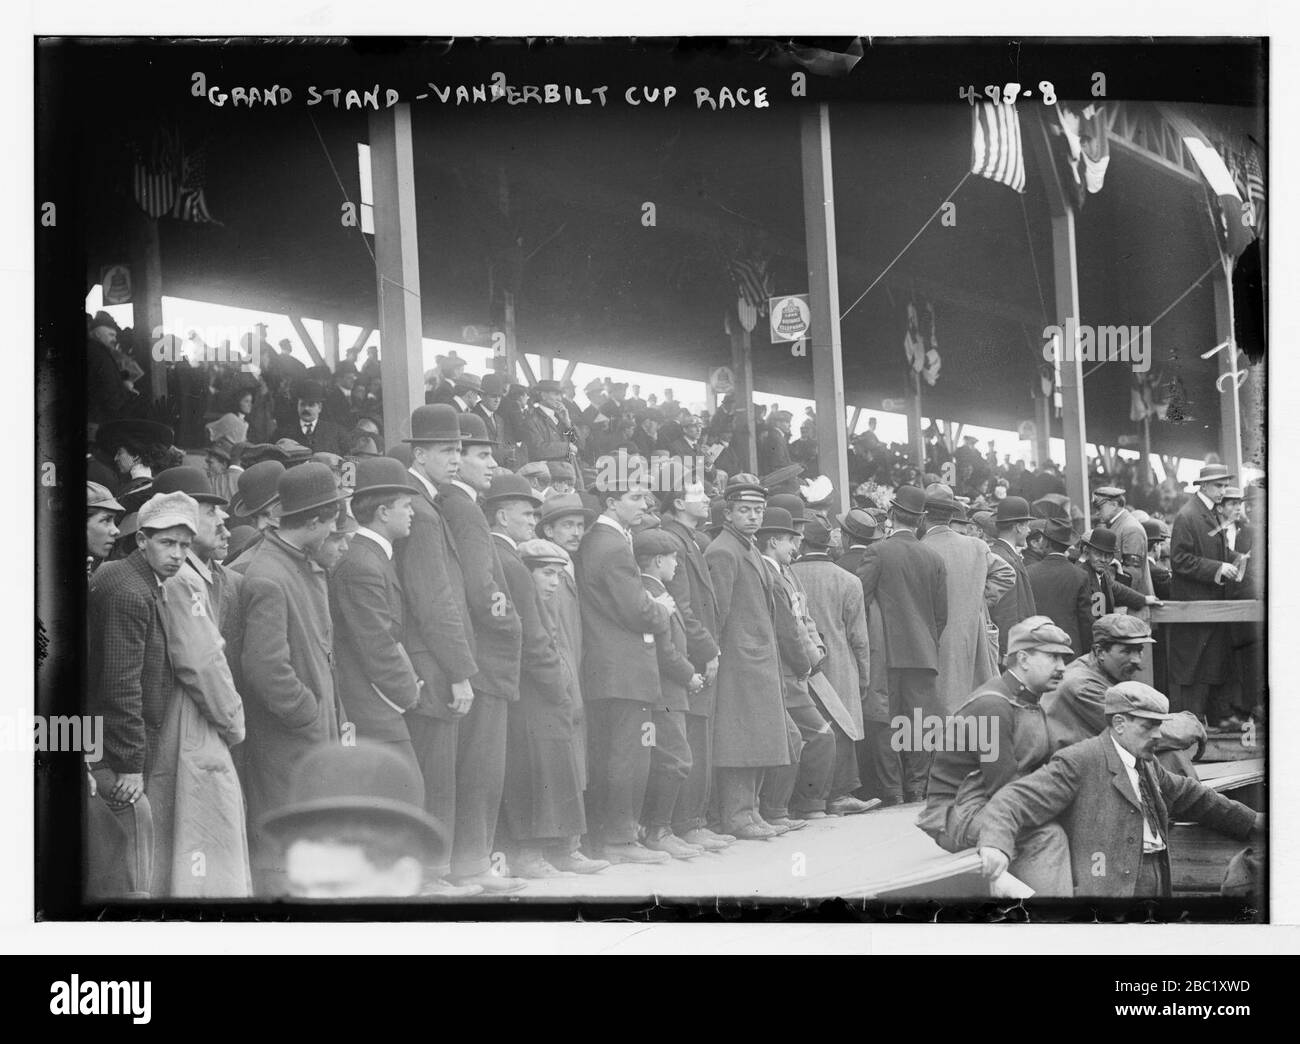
{"x": 997, "y": 150}
{"x": 753, "y": 285}
{"x": 1081, "y": 148}
{"x": 1235, "y": 227}
{"x": 170, "y": 182}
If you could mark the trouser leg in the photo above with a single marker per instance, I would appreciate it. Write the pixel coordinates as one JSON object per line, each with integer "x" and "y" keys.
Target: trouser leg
{"x": 816, "y": 760}
{"x": 777, "y": 784}
{"x": 917, "y": 691}
{"x": 670, "y": 765}
{"x": 620, "y": 770}
{"x": 879, "y": 764}
{"x": 480, "y": 780}
{"x": 738, "y": 797}
{"x": 434, "y": 742}
{"x": 691, "y": 811}
{"x": 845, "y": 778}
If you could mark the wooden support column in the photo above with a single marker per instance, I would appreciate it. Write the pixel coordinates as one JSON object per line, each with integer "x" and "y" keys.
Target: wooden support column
{"x": 742, "y": 365}
{"x": 397, "y": 258}
{"x": 710, "y": 396}
{"x": 331, "y": 347}
{"x": 1066, "y": 280}
{"x": 824, "y": 299}
{"x": 146, "y": 267}
{"x": 915, "y": 422}
{"x": 1229, "y": 398}
{"x": 545, "y": 368}
{"x": 1042, "y": 429}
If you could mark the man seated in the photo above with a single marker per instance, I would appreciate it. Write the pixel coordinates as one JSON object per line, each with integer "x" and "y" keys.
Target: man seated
{"x": 1114, "y": 802}
{"x": 998, "y": 735}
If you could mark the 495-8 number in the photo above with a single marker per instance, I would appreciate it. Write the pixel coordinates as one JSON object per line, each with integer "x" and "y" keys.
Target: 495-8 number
{"x": 1008, "y": 93}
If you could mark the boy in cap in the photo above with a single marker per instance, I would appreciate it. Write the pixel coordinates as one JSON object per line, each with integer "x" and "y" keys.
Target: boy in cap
{"x": 287, "y": 656}
{"x": 670, "y": 754}
{"x": 377, "y": 683}
{"x": 1098, "y": 790}
{"x": 129, "y": 673}
{"x": 103, "y": 513}
{"x": 999, "y": 734}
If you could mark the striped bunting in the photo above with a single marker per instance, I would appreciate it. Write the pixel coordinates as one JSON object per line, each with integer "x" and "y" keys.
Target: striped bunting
{"x": 996, "y": 149}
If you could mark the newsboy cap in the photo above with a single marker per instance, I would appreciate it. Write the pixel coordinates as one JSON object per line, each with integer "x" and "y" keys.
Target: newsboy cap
{"x": 1038, "y": 634}
{"x": 540, "y": 552}
{"x": 1123, "y": 628}
{"x": 98, "y": 498}
{"x": 649, "y": 542}
{"x": 1138, "y": 699}
{"x": 164, "y": 510}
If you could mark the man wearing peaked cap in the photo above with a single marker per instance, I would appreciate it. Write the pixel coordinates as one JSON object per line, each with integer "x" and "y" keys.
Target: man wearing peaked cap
{"x": 287, "y": 659}
{"x": 1015, "y": 742}
{"x": 1114, "y": 801}
{"x": 910, "y": 582}
{"x": 537, "y": 473}
{"x": 1012, "y": 519}
{"x": 308, "y": 428}
{"x": 350, "y": 809}
{"x": 1061, "y": 588}
{"x": 1111, "y": 507}
{"x": 376, "y": 680}
{"x": 480, "y": 753}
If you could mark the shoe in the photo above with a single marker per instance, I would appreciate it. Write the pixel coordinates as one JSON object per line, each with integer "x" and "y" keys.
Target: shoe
{"x": 577, "y": 863}
{"x": 787, "y": 823}
{"x": 706, "y": 839}
{"x": 537, "y": 869}
{"x": 848, "y": 805}
{"x": 756, "y": 832}
{"x": 439, "y": 888}
{"x": 631, "y": 852}
{"x": 773, "y": 826}
{"x": 667, "y": 841}
{"x": 491, "y": 883}
{"x": 805, "y": 816}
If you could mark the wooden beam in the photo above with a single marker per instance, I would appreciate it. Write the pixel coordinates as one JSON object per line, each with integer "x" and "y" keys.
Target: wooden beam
{"x": 742, "y": 365}
{"x": 824, "y": 298}
{"x": 307, "y": 342}
{"x": 331, "y": 351}
{"x": 569, "y": 369}
{"x": 522, "y": 362}
{"x": 1226, "y": 611}
{"x": 1229, "y": 399}
{"x": 363, "y": 337}
{"x": 397, "y": 258}
{"x": 146, "y": 266}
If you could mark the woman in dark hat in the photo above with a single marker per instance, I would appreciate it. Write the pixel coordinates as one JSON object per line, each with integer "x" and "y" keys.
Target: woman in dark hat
{"x": 139, "y": 449}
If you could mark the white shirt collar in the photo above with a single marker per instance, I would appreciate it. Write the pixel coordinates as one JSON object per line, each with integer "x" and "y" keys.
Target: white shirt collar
{"x": 613, "y": 522}
{"x": 509, "y": 540}
{"x": 198, "y": 565}
{"x": 470, "y": 491}
{"x": 1130, "y": 762}
{"x": 1205, "y": 500}
{"x": 383, "y": 542}
{"x": 432, "y": 489}
{"x": 771, "y": 561}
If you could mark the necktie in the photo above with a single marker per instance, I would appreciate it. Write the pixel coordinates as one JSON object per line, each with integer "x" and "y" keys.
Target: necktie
{"x": 1148, "y": 796}
{"x": 307, "y": 429}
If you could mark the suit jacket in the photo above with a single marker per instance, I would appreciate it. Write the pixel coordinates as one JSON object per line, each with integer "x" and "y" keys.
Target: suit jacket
{"x": 376, "y": 679}
{"x": 1132, "y": 549}
{"x": 967, "y": 657}
{"x": 1086, "y": 788}
{"x": 749, "y": 714}
{"x": 1061, "y": 591}
{"x": 692, "y": 590}
{"x": 492, "y": 421}
{"x": 675, "y": 670}
{"x": 836, "y": 604}
{"x": 543, "y": 438}
{"x": 288, "y": 668}
{"x": 1018, "y": 603}
{"x": 619, "y": 621}
{"x": 541, "y": 672}
{"x": 1198, "y": 653}
{"x": 326, "y": 436}
{"x": 498, "y": 634}
{"x": 911, "y": 583}
{"x": 438, "y": 631}
{"x": 129, "y": 674}
{"x": 875, "y": 697}
{"x": 798, "y": 653}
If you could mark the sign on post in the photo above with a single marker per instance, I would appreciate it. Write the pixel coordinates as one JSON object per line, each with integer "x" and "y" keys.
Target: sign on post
{"x": 790, "y": 318}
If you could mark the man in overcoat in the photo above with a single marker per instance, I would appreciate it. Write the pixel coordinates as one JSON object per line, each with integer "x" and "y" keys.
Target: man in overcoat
{"x": 1110, "y": 505}
{"x": 1012, "y": 521}
{"x": 1061, "y": 589}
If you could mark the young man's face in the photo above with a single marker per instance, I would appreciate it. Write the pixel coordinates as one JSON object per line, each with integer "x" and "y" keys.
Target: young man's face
{"x": 567, "y": 531}
{"x": 1214, "y": 490}
{"x": 491, "y": 402}
{"x": 164, "y": 549}
{"x": 782, "y": 548}
{"x": 440, "y": 461}
{"x": 398, "y": 516}
{"x": 1230, "y": 510}
{"x": 101, "y": 532}
{"x": 516, "y": 518}
{"x": 209, "y": 538}
{"x": 335, "y": 870}
{"x": 746, "y": 516}
{"x": 546, "y": 579}
{"x": 1120, "y": 661}
{"x": 694, "y": 503}
{"x": 550, "y": 399}
{"x": 331, "y": 551}
{"x": 629, "y": 509}
{"x": 476, "y": 467}
{"x": 663, "y": 566}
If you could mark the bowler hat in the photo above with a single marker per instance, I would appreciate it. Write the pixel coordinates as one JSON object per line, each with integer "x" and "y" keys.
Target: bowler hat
{"x": 1121, "y": 628}
{"x": 365, "y": 778}
{"x": 141, "y": 432}
{"x": 859, "y": 524}
{"x": 473, "y": 430}
{"x": 308, "y": 487}
{"x": 494, "y": 384}
{"x": 909, "y": 499}
{"x": 1038, "y": 634}
{"x": 258, "y": 488}
{"x": 1156, "y": 529}
{"x": 261, "y": 452}
{"x": 1213, "y": 473}
{"x": 792, "y": 503}
{"x": 383, "y": 475}
{"x": 435, "y": 423}
{"x": 508, "y": 486}
{"x": 816, "y": 534}
{"x": 1138, "y": 699}
{"x": 564, "y": 504}
{"x": 1104, "y": 540}
{"x": 190, "y": 481}
{"x": 649, "y": 542}
{"x": 777, "y": 520}
{"x": 1012, "y": 510}
{"x": 308, "y": 390}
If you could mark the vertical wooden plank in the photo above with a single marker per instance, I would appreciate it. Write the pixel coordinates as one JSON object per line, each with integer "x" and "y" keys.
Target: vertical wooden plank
{"x": 742, "y": 365}
{"x": 330, "y": 349}
{"x": 1229, "y": 399}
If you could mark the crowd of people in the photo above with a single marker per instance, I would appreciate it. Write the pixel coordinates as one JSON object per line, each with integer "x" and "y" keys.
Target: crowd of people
{"x": 529, "y": 640}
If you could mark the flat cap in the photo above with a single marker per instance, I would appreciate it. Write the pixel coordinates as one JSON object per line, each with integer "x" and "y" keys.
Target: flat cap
{"x": 98, "y": 498}
{"x": 164, "y": 510}
{"x": 541, "y": 552}
{"x": 649, "y": 542}
{"x": 1138, "y": 699}
{"x": 1038, "y": 634}
{"x": 1121, "y": 627}
{"x": 1108, "y": 492}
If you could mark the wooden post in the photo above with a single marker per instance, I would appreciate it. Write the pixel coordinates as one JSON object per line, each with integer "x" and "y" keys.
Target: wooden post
{"x": 742, "y": 366}
{"x": 307, "y": 341}
{"x": 331, "y": 346}
{"x": 710, "y": 396}
{"x": 1066, "y": 279}
{"x": 824, "y": 299}
{"x": 397, "y": 259}
{"x": 146, "y": 267}
{"x": 1229, "y": 399}
{"x": 915, "y": 423}
{"x": 1042, "y": 429}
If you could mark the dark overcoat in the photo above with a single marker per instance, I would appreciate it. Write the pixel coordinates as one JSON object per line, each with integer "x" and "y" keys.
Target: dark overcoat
{"x": 1017, "y": 603}
{"x": 1198, "y": 653}
{"x": 1061, "y": 591}
{"x": 910, "y": 582}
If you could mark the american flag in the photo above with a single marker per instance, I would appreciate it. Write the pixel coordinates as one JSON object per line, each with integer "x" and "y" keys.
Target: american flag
{"x": 1253, "y": 176}
{"x": 997, "y": 151}
{"x": 169, "y": 182}
{"x": 753, "y": 282}
{"x": 190, "y": 202}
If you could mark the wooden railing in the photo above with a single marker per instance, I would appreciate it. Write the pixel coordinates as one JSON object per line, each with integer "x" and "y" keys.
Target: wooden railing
{"x": 1220, "y": 612}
